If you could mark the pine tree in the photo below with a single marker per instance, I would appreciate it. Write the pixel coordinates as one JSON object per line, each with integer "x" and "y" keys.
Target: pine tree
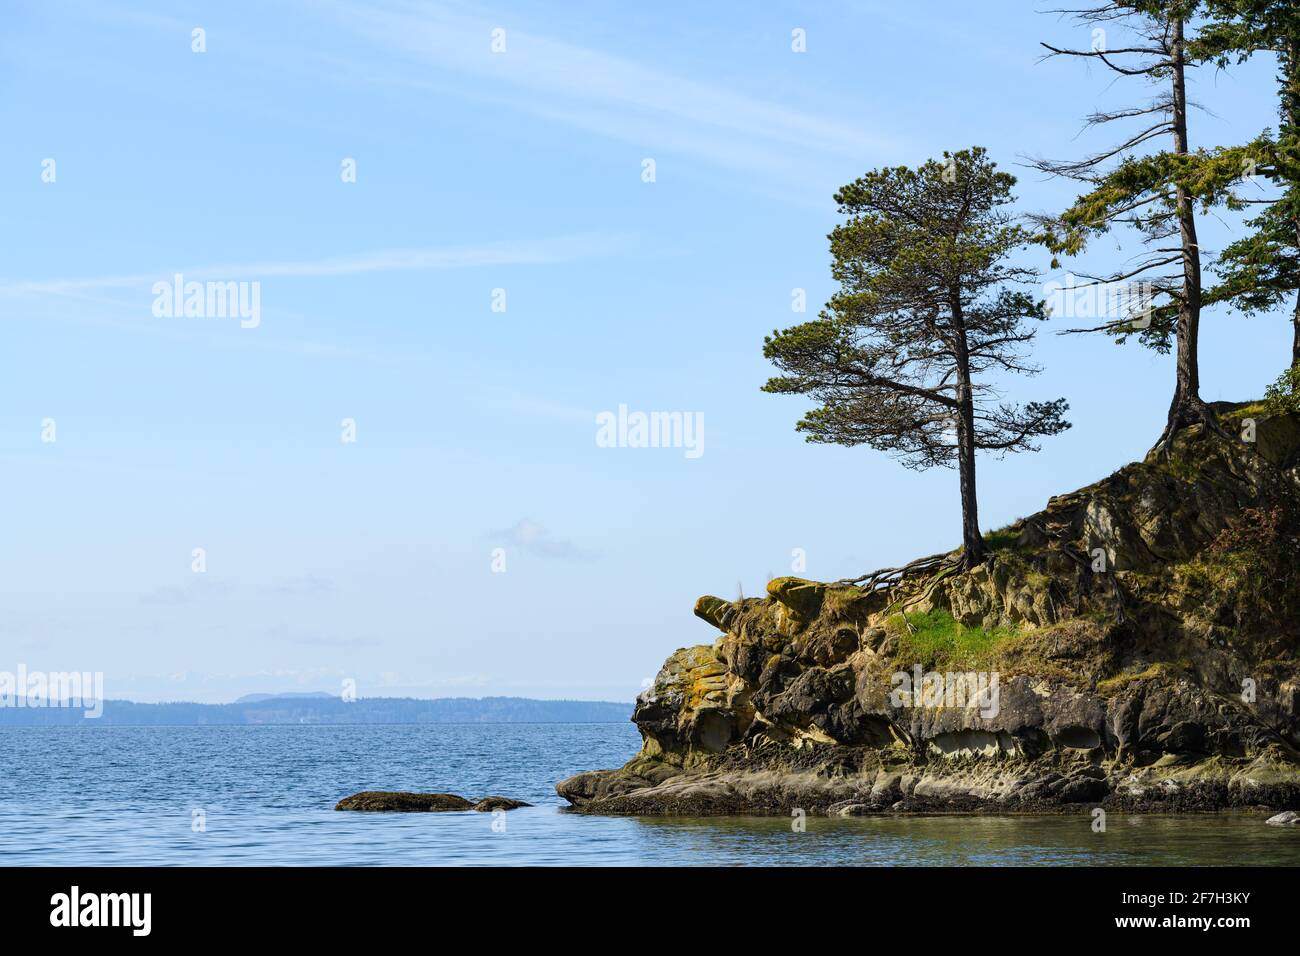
{"x": 1148, "y": 192}
{"x": 928, "y": 308}
{"x": 1261, "y": 271}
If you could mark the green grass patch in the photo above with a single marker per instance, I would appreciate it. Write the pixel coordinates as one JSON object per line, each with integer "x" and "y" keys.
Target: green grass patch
{"x": 937, "y": 640}
{"x": 1001, "y": 540}
{"x": 1038, "y": 580}
{"x": 1246, "y": 411}
{"x": 1120, "y": 681}
{"x": 1004, "y": 539}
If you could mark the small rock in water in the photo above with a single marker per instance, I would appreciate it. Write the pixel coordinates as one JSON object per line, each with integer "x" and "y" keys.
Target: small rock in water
{"x": 1287, "y": 818}
{"x": 499, "y": 803}
{"x": 403, "y": 802}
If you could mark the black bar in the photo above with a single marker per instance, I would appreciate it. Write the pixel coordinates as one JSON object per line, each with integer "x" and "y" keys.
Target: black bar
{"x": 651, "y": 906}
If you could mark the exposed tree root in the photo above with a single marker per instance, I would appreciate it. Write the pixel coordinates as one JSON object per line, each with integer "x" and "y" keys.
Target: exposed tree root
{"x": 887, "y": 578}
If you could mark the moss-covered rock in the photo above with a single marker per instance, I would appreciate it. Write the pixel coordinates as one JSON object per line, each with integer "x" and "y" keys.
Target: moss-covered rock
{"x": 1142, "y": 632}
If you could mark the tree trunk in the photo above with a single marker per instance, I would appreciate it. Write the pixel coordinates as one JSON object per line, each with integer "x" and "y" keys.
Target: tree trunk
{"x": 1295, "y": 324}
{"x": 1291, "y": 129}
{"x": 1187, "y": 407}
{"x": 1295, "y": 316}
{"x": 974, "y": 551}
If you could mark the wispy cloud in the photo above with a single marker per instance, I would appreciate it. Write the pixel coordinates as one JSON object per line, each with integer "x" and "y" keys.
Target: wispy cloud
{"x": 530, "y": 536}
{"x": 306, "y": 585}
{"x": 601, "y": 92}
{"x": 442, "y": 49}
{"x": 538, "y": 407}
{"x": 550, "y": 251}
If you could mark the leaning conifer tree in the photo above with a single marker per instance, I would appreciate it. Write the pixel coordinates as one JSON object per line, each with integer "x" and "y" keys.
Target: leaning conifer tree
{"x": 928, "y": 310}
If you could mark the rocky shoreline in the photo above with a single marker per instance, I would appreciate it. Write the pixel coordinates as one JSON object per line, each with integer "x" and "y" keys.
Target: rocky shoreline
{"x": 1131, "y": 647}
{"x": 1045, "y": 786}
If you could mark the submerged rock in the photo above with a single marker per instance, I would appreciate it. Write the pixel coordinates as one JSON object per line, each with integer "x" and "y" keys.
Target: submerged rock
{"x": 1132, "y": 646}
{"x": 1288, "y": 818}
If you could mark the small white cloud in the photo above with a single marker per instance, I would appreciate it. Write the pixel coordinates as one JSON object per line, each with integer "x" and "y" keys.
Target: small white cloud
{"x": 530, "y": 536}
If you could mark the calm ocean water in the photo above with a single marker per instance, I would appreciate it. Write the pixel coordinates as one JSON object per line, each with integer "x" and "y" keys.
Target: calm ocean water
{"x": 123, "y": 795}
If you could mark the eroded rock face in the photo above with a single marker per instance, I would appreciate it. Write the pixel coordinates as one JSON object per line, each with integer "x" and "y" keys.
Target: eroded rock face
{"x": 1121, "y": 626}
{"x": 694, "y": 706}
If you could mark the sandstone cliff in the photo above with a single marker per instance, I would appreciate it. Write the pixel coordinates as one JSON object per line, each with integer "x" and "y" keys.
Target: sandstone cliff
{"x": 1134, "y": 643}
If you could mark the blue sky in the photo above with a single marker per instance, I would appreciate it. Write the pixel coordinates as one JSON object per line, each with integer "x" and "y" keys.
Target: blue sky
{"x": 475, "y": 429}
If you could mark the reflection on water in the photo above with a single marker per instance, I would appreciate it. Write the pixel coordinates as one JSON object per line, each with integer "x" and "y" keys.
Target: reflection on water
{"x": 1059, "y": 840}
{"x": 123, "y": 796}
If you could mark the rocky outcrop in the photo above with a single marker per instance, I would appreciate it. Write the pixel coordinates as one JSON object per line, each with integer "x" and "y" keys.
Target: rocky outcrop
{"x": 403, "y": 802}
{"x": 1130, "y": 646}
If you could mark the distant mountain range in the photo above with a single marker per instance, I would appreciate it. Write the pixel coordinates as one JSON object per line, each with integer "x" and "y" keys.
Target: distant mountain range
{"x": 321, "y": 708}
